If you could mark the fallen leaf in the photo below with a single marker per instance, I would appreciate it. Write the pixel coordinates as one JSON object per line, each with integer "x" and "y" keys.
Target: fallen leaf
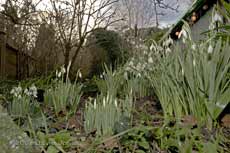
{"x": 225, "y": 121}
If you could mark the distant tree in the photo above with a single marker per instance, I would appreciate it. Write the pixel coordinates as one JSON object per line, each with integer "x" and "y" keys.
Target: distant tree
{"x": 20, "y": 22}
{"x": 74, "y": 20}
{"x": 45, "y": 49}
{"x": 142, "y": 13}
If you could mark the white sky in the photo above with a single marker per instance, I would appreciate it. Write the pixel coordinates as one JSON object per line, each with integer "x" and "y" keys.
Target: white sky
{"x": 169, "y": 18}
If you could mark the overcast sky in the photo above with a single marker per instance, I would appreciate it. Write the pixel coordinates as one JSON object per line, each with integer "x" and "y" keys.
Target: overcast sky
{"x": 170, "y": 16}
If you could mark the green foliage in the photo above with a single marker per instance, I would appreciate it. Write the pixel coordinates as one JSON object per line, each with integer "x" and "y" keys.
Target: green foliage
{"x": 194, "y": 81}
{"x": 107, "y": 115}
{"x": 102, "y": 115}
{"x": 112, "y": 43}
{"x": 110, "y": 82}
{"x": 137, "y": 140}
{"x": 54, "y": 143}
{"x": 23, "y": 102}
{"x": 170, "y": 139}
{"x": 64, "y": 95}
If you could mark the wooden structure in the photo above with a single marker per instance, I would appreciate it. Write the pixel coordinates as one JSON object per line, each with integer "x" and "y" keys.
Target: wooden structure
{"x": 13, "y": 64}
{"x": 198, "y": 17}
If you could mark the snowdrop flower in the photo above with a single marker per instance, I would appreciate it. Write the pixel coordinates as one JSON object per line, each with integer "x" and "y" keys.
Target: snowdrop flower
{"x": 169, "y": 41}
{"x": 19, "y": 89}
{"x": 194, "y": 62}
{"x": 104, "y": 102}
{"x": 152, "y": 47}
{"x": 59, "y": 74}
{"x": 182, "y": 71}
{"x": 126, "y": 76}
{"x": 194, "y": 46}
{"x": 33, "y": 91}
{"x": 95, "y": 104}
{"x": 16, "y": 91}
{"x": 168, "y": 50}
{"x": 80, "y": 75}
{"x": 115, "y": 102}
{"x": 26, "y": 91}
{"x": 12, "y": 91}
{"x": 217, "y": 17}
{"x": 220, "y": 105}
{"x": 211, "y": 26}
{"x": 131, "y": 63}
{"x": 63, "y": 70}
{"x": 150, "y": 60}
{"x": 210, "y": 49}
{"x": 183, "y": 33}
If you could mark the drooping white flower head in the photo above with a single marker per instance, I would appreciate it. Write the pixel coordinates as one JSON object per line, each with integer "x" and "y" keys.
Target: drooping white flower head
{"x": 210, "y": 49}
{"x": 115, "y": 102}
{"x": 79, "y": 74}
{"x": 168, "y": 50}
{"x": 33, "y": 90}
{"x": 217, "y": 17}
{"x": 63, "y": 70}
{"x": 150, "y": 60}
{"x": 194, "y": 62}
{"x": 194, "y": 46}
{"x": 95, "y": 104}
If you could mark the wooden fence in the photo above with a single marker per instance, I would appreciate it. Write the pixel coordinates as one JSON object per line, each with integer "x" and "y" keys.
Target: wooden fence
{"x": 13, "y": 63}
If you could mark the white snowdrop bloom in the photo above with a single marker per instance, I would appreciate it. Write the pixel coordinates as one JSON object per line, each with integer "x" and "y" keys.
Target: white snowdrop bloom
{"x": 194, "y": 46}
{"x": 182, "y": 71}
{"x": 194, "y": 62}
{"x": 56, "y": 73}
{"x": 211, "y": 26}
{"x": 150, "y": 60}
{"x": 59, "y": 74}
{"x": 104, "y": 102}
{"x": 168, "y": 50}
{"x": 170, "y": 40}
{"x": 33, "y": 91}
{"x": 115, "y": 103}
{"x": 26, "y": 91}
{"x": 79, "y": 74}
{"x": 63, "y": 70}
{"x": 19, "y": 89}
{"x": 139, "y": 75}
{"x": 152, "y": 47}
{"x": 220, "y": 105}
{"x": 19, "y": 96}
{"x": 210, "y": 49}
{"x": 95, "y": 104}
{"x": 127, "y": 68}
{"x": 131, "y": 63}
{"x": 184, "y": 33}
{"x": 126, "y": 76}
{"x": 12, "y": 91}
{"x": 217, "y": 17}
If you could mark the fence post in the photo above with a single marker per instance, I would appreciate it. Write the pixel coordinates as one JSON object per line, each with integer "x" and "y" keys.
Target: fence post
{"x": 2, "y": 54}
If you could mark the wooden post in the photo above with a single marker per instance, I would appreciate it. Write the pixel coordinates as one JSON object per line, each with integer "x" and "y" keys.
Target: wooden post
{"x": 2, "y": 54}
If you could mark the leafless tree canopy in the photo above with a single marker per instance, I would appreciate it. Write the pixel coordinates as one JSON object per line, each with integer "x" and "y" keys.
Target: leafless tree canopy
{"x": 144, "y": 12}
